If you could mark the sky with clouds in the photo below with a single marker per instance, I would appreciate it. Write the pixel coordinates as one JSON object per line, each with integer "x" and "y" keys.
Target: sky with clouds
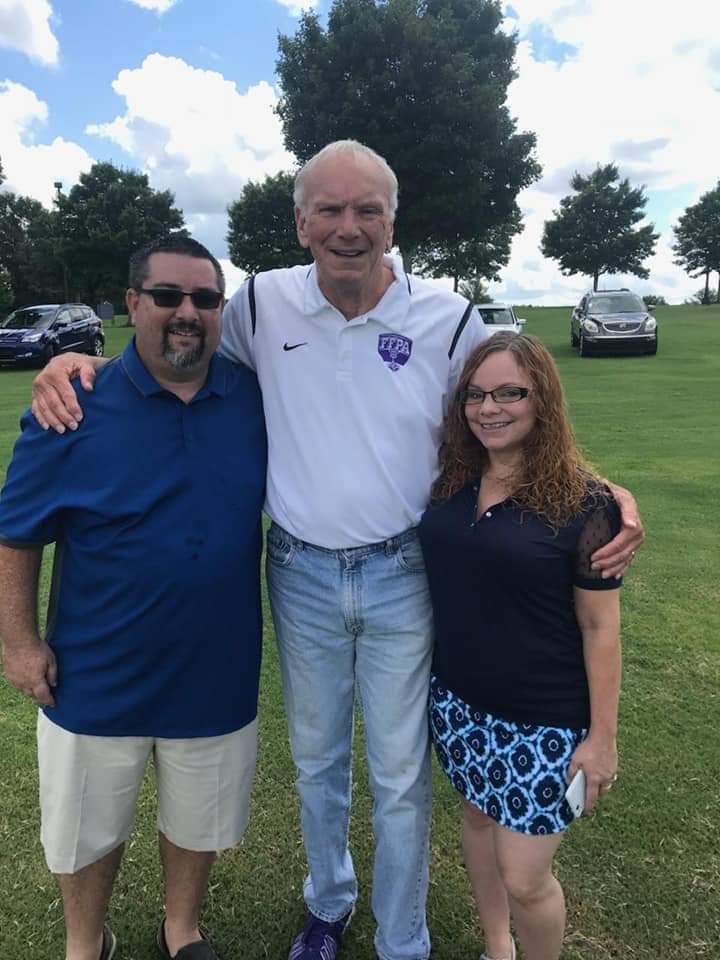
{"x": 184, "y": 90}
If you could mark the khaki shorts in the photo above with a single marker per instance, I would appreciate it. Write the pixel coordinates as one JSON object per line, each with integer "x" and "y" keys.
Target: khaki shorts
{"x": 89, "y": 788}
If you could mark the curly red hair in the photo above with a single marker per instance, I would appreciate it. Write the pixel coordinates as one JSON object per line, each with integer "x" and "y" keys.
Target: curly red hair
{"x": 553, "y": 479}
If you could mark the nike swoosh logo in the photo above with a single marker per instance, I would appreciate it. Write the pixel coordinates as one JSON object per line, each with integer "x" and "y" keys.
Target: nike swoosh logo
{"x": 294, "y": 346}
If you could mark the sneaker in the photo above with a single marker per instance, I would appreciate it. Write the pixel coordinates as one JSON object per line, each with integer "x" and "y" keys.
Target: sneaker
{"x": 319, "y": 940}
{"x": 109, "y": 944}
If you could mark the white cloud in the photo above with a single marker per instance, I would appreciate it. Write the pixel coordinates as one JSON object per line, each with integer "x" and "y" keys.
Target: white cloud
{"x": 196, "y": 134}
{"x": 640, "y": 96}
{"x": 159, "y": 6}
{"x": 25, "y": 26}
{"x": 31, "y": 167}
{"x": 296, "y": 7}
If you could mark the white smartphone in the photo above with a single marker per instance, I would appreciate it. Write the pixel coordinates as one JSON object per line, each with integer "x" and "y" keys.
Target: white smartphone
{"x": 575, "y": 794}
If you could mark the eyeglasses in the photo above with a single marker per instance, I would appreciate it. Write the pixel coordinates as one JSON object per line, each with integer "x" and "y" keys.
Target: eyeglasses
{"x": 506, "y": 394}
{"x": 202, "y": 299}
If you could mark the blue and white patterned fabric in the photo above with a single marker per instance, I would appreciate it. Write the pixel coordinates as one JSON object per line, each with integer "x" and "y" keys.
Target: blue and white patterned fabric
{"x": 515, "y": 773}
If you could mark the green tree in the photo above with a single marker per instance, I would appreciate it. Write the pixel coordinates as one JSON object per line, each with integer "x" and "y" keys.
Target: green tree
{"x": 594, "y": 231}
{"x": 482, "y": 257}
{"x": 697, "y": 240}
{"x": 103, "y": 218}
{"x": 261, "y": 226}
{"x": 474, "y": 290}
{"x": 425, "y": 85}
{"x": 704, "y": 296}
{"x": 26, "y": 250}
{"x": 6, "y": 292}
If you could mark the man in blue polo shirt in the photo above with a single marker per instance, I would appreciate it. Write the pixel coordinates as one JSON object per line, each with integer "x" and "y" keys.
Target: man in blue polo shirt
{"x": 154, "y": 625}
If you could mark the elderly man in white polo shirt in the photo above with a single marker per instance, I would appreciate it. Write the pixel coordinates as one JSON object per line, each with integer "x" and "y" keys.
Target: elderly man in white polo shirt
{"x": 356, "y": 361}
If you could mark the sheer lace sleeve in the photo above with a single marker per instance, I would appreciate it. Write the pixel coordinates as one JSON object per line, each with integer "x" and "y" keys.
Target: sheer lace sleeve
{"x": 602, "y": 523}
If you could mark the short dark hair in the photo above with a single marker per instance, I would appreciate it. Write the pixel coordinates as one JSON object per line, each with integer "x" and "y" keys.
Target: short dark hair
{"x": 176, "y": 243}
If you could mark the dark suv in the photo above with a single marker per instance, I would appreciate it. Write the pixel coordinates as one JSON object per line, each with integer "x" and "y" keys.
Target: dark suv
{"x": 33, "y": 335}
{"x": 613, "y": 321}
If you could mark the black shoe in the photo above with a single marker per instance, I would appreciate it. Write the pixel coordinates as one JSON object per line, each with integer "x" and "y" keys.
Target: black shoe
{"x": 109, "y": 944}
{"x": 198, "y": 950}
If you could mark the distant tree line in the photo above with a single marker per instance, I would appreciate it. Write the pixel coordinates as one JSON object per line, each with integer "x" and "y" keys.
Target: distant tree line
{"x": 424, "y": 84}
{"x": 79, "y": 250}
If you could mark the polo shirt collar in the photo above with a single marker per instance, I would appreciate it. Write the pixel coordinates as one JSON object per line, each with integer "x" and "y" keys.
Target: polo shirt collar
{"x": 143, "y": 381}
{"x": 391, "y": 310}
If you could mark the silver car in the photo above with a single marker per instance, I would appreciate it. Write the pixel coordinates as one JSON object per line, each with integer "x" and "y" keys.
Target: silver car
{"x": 500, "y": 316}
{"x": 613, "y": 321}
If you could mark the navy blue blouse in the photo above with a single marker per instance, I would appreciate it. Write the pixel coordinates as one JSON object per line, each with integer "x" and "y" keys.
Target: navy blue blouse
{"x": 507, "y": 640}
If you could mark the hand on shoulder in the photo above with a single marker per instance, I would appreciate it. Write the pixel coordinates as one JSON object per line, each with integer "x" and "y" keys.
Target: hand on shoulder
{"x": 54, "y": 403}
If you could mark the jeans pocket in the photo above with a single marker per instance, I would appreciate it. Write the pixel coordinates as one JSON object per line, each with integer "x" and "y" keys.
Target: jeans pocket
{"x": 279, "y": 549}
{"x": 410, "y": 556}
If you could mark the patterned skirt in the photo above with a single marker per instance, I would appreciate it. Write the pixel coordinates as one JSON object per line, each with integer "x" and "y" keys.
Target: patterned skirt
{"x": 515, "y": 773}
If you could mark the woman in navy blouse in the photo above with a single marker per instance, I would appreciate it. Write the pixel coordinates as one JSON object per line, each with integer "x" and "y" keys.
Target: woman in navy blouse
{"x": 526, "y": 670}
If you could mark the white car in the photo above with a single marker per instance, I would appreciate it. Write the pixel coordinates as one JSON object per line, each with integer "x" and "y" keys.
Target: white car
{"x": 500, "y": 316}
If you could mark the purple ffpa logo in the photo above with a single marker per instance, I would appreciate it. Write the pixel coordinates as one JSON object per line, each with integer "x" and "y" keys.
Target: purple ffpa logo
{"x": 394, "y": 349}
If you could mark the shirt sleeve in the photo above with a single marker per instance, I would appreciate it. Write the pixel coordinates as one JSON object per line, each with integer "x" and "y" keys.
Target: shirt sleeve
{"x": 602, "y": 523}
{"x": 237, "y": 338}
{"x": 30, "y": 502}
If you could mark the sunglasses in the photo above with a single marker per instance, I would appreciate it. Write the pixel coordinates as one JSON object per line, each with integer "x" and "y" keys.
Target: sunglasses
{"x": 202, "y": 299}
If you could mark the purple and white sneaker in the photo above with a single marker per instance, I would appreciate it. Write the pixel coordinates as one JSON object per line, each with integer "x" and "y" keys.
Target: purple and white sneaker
{"x": 319, "y": 939}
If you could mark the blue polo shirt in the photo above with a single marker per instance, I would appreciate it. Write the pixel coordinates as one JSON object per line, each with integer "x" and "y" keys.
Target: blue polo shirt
{"x": 154, "y": 505}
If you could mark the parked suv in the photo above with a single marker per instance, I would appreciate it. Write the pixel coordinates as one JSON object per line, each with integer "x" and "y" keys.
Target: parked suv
{"x": 613, "y": 321}
{"x": 500, "y": 316}
{"x": 34, "y": 335}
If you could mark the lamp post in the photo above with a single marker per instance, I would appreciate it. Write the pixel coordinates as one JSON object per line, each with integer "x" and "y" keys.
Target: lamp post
{"x": 58, "y": 186}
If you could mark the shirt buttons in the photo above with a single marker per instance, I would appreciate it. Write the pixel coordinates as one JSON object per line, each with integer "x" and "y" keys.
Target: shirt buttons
{"x": 488, "y": 514}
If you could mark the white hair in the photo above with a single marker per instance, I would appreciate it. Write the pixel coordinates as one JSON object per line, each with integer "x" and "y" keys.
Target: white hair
{"x": 349, "y": 148}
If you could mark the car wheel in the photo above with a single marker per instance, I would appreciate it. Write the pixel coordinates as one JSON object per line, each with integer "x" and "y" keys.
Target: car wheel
{"x": 48, "y": 353}
{"x": 573, "y": 338}
{"x": 97, "y": 347}
{"x": 584, "y": 348}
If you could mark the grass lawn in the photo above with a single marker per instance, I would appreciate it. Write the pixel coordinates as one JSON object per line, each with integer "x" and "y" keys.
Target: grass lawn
{"x": 642, "y": 876}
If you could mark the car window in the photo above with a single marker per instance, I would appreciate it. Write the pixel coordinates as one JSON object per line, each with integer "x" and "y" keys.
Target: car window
{"x": 77, "y": 313}
{"x": 63, "y": 317}
{"x": 28, "y": 318}
{"x": 621, "y": 303}
{"x": 502, "y": 315}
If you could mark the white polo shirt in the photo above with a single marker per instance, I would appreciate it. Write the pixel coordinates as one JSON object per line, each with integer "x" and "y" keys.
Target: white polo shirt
{"x": 354, "y": 408}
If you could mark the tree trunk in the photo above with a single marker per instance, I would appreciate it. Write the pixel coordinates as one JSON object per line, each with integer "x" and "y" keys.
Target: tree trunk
{"x": 596, "y": 276}
{"x": 706, "y": 295}
{"x": 718, "y": 289}
{"x": 456, "y": 280}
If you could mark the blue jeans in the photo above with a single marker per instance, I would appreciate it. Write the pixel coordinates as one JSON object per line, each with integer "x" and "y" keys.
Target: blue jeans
{"x": 359, "y": 620}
